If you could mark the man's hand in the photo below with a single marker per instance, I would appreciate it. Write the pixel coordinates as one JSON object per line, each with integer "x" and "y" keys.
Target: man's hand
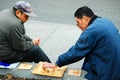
{"x": 36, "y": 41}
{"x": 48, "y": 65}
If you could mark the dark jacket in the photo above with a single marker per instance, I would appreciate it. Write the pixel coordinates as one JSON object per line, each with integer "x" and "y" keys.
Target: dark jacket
{"x": 12, "y": 35}
{"x": 99, "y": 44}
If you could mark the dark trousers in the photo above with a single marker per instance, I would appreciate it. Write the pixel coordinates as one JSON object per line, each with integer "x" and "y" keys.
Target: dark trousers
{"x": 35, "y": 54}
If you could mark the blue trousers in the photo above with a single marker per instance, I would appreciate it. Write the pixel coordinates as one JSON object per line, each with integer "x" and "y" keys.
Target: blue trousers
{"x": 35, "y": 54}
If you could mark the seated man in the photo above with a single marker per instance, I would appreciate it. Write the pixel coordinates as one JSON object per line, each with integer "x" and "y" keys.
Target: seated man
{"x": 99, "y": 44}
{"x": 15, "y": 45}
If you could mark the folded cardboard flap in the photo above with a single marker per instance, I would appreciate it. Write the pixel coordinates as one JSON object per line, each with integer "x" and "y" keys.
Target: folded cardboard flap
{"x": 25, "y": 65}
{"x": 74, "y": 72}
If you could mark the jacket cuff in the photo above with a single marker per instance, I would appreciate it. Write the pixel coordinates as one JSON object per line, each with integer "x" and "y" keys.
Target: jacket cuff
{"x": 58, "y": 64}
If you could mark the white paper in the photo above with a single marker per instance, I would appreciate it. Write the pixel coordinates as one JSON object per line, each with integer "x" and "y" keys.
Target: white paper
{"x": 11, "y": 66}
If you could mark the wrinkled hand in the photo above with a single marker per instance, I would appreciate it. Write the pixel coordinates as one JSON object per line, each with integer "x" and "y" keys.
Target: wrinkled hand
{"x": 48, "y": 65}
{"x": 36, "y": 41}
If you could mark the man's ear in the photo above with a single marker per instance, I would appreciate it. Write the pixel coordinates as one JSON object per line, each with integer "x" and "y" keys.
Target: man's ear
{"x": 18, "y": 13}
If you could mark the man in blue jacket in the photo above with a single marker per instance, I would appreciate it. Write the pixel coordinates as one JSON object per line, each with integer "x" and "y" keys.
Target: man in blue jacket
{"x": 99, "y": 44}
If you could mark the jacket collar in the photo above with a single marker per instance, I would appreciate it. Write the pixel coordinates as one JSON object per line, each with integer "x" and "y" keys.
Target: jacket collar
{"x": 92, "y": 19}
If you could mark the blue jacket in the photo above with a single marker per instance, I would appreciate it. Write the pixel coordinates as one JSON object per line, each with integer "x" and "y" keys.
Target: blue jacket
{"x": 99, "y": 44}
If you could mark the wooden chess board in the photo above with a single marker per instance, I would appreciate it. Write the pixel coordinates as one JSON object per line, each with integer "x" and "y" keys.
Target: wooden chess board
{"x": 57, "y": 72}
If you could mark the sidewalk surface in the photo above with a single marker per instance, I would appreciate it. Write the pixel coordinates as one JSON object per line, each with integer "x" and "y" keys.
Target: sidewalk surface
{"x": 56, "y": 38}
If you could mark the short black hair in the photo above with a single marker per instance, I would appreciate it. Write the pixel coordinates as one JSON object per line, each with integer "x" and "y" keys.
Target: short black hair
{"x": 83, "y": 11}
